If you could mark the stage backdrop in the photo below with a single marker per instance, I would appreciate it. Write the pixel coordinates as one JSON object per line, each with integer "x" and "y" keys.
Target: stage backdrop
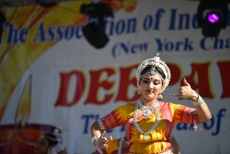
{"x": 52, "y": 78}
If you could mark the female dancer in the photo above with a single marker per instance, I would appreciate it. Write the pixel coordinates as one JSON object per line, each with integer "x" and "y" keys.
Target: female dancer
{"x": 151, "y": 121}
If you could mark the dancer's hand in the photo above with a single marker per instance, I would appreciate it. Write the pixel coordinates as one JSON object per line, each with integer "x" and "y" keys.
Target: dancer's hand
{"x": 186, "y": 91}
{"x": 102, "y": 141}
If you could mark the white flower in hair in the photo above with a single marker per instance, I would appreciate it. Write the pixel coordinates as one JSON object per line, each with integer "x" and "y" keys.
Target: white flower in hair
{"x": 156, "y": 58}
{"x": 59, "y": 145}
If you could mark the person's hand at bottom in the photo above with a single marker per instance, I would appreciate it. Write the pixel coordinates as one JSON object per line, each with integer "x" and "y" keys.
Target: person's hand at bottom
{"x": 102, "y": 141}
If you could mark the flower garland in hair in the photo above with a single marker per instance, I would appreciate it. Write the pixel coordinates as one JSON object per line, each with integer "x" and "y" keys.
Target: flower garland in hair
{"x": 59, "y": 145}
{"x": 155, "y": 61}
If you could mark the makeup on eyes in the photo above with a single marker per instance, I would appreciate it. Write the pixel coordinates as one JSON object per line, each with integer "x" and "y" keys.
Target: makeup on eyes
{"x": 155, "y": 81}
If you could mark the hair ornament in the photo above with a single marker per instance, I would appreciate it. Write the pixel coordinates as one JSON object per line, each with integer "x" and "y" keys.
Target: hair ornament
{"x": 59, "y": 145}
{"x": 56, "y": 138}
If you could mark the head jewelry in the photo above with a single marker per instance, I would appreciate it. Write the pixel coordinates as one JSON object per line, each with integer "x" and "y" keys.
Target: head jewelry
{"x": 155, "y": 61}
{"x": 58, "y": 146}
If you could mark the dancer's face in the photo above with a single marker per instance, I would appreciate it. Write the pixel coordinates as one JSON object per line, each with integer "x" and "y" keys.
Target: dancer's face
{"x": 151, "y": 86}
{"x": 42, "y": 146}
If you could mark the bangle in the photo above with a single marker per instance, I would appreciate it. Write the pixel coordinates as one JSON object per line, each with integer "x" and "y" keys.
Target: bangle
{"x": 94, "y": 139}
{"x": 198, "y": 101}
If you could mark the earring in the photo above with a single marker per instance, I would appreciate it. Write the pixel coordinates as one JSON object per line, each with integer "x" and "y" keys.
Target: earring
{"x": 160, "y": 97}
{"x": 139, "y": 91}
